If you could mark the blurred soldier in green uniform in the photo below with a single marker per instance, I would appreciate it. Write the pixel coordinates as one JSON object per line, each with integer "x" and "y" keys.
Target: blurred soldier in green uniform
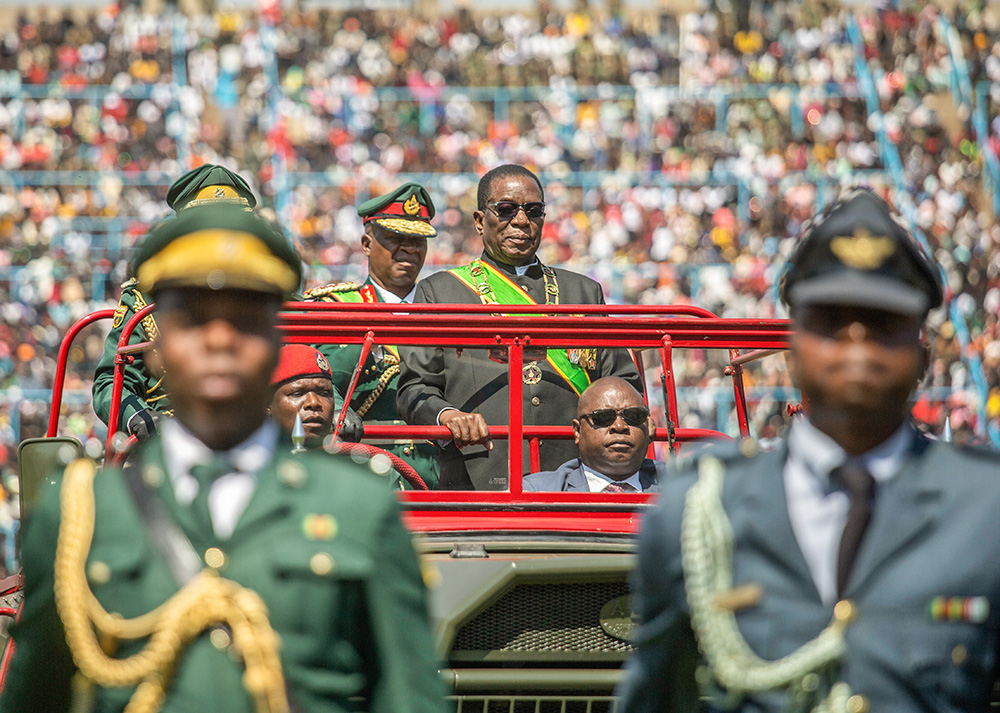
{"x": 143, "y": 394}
{"x": 221, "y": 572}
{"x": 397, "y": 226}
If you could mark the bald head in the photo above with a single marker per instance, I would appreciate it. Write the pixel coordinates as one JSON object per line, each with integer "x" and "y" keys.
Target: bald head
{"x": 612, "y": 427}
{"x": 615, "y": 388}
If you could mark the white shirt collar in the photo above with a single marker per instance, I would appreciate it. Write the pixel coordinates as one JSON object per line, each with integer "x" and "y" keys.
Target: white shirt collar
{"x": 598, "y": 481}
{"x": 392, "y": 298}
{"x": 820, "y": 454}
{"x": 186, "y": 450}
{"x": 521, "y": 269}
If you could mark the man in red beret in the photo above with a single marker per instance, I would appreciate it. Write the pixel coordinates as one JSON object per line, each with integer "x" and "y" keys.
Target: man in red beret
{"x": 303, "y": 386}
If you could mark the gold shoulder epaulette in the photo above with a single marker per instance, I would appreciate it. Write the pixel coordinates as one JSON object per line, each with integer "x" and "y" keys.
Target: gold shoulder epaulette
{"x": 129, "y": 283}
{"x": 332, "y": 288}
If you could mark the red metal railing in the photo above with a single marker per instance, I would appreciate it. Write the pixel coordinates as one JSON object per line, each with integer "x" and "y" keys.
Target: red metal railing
{"x": 60, "y": 376}
{"x": 659, "y": 329}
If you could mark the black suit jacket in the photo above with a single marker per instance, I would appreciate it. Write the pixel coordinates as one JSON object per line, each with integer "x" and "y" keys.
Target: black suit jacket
{"x": 570, "y": 477}
{"x": 432, "y": 379}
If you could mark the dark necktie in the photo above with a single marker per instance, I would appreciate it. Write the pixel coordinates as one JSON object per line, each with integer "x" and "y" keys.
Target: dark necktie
{"x": 206, "y": 474}
{"x": 859, "y": 485}
{"x": 619, "y": 488}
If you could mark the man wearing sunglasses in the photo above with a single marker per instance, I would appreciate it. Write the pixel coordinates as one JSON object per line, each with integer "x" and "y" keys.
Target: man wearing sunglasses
{"x": 857, "y": 566}
{"x": 612, "y": 429}
{"x": 467, "y": 390}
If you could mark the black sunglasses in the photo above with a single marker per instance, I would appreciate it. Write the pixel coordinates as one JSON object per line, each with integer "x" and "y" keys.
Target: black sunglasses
{"x": 506, "y": 210}
{"x": 604, "y": 417}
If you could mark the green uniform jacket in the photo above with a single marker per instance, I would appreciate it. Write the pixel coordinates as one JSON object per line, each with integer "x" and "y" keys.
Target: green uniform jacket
{"x": 344, "y": 358}
{"x": 140, "y": 389}
{"x": 354, "y": 636}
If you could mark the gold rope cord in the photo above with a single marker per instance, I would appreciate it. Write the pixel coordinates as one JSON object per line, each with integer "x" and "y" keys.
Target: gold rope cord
{"x": 207, "y": 600}
{"x": 383, "y": 382}
{"x": 148, "y": 323}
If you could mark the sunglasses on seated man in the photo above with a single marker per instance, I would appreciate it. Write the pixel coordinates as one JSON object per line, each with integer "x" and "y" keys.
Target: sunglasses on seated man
{"x": 506, "y": 210}
{"x": 603, "y": 418}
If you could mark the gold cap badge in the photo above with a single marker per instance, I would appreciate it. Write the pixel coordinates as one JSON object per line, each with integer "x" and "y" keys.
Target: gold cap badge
{"x": 412, "y": 205}
{"x": 863, "y": 251}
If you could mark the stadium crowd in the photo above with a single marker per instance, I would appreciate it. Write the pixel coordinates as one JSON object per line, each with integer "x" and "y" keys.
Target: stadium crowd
{"x": 666, "y": 198}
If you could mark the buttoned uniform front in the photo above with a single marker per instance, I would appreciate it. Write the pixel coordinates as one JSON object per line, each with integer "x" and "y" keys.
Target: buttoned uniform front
{"x": 373, "y": 377}
{"x": 934, "y": 533}
{"x": 432, "y": 379}
{"x": 572, "y": 476}
{"x": 141, "y": 390}
{"x": 346, "y": 599}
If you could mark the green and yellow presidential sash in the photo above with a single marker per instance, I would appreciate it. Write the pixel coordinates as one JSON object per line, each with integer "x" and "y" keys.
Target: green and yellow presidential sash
{"x": 494, "y": 287}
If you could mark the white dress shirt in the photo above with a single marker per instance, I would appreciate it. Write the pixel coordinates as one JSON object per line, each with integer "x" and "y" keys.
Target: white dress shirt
{"x": 598, "y": 482}
{"x": 230, "y": 493}
{"x": 816, "y": 506}
{"x": 520, "y": 270}
{"x": 390, "y": 298}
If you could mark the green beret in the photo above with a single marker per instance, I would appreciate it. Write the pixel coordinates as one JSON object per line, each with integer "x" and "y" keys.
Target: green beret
{"x": 221, "y": 246}
{"x": 209, "y": 184}
{"x": 407, "y": 210}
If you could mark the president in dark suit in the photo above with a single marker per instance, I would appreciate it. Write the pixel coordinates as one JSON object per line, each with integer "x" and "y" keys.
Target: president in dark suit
{"x": 467, "y": 391}
{"x": 856, "y": 567}
{"x": 612, "y": 431}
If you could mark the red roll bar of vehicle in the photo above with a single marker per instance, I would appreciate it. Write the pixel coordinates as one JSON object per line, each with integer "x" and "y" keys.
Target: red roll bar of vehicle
{"x": 660, "y": 329}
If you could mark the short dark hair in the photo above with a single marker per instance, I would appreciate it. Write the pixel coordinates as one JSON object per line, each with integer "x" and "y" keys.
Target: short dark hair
{"x": 507, "y": 170}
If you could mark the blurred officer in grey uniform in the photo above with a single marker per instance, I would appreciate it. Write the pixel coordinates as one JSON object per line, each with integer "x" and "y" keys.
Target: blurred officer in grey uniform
{"x": 856, "y": 567}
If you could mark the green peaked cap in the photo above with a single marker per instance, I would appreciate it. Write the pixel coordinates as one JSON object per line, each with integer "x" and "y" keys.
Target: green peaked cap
{"x": 407, "y": 210}
{"x": 220, "y": 246}
{"x": 207, "y": 184}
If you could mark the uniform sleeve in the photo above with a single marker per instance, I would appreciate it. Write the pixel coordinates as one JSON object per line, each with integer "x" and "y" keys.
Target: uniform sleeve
{"x": 39, "y": 678}
{"x": 660, "y": 674}
{"x": 134, "y": 384}
{"x": 403, "y": 669}
{"x": 420, "y": 392}
{"x": 617, "y": 362}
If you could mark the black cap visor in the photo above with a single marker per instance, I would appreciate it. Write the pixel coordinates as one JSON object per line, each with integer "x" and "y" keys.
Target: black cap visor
{"x": 861, "y": 290}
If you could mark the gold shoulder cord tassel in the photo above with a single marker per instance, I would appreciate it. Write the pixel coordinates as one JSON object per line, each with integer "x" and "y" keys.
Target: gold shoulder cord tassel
{"x": 207, "y": 600}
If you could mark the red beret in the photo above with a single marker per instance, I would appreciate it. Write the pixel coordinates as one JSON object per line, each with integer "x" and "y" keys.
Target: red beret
{"x": 298, "y": 361}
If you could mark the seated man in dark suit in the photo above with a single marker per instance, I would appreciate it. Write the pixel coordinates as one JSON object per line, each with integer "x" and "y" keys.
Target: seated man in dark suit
{"x": 612, "y": 429}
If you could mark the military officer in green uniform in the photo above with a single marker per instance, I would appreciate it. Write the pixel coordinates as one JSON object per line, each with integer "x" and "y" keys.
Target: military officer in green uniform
{"x": 221, "y": 572}
{"x": 397, "y": 226}
{"x": 144, "y": 396}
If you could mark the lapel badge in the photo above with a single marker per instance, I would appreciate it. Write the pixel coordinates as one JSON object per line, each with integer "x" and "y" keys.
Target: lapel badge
{"x": 119, "y": 316}
{"x": 317, "y": 526}
{"x": 973, "y": 610}
{"x": 291, "y": 474}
